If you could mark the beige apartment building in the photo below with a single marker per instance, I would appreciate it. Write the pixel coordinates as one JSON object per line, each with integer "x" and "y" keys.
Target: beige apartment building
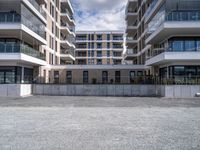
{"x": 99, "y": 47}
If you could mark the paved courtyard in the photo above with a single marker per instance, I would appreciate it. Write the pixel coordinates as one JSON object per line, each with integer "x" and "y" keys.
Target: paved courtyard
{"x": 99, "y": 123}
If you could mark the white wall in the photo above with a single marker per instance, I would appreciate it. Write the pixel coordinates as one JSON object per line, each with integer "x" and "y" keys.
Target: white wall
{"x": 15, "y": 90}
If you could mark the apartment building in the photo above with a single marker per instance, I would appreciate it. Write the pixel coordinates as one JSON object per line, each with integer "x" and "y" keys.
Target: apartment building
{"x": 165, "y": 35}
{"x": 99, "y": 47}
{"x": 34, "y": 34}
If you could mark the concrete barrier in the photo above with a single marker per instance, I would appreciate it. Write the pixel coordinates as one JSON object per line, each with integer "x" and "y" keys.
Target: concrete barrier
{"x": 15, "y": 90}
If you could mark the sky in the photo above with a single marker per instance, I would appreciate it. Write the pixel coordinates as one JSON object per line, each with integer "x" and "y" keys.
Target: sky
{"x": 99, "y": 14}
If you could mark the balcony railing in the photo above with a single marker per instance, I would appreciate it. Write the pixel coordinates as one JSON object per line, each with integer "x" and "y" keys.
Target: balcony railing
{"x": 37, "y": 6}
{"x": 131, "y": 51}
{"x": 67, "y": 52}
{"x": 20, "y": 48}
{"x": 65, "y": 11}
{"x": 13, "y": 17}
{"x": 151, "y": 7}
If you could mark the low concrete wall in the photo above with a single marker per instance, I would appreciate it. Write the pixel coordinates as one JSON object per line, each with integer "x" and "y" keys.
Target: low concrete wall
{"x": 168, "y": 91}
{"x": 15, "y": 90}
{"x": 179, "y": 91}
{"x": 96, "y": 90}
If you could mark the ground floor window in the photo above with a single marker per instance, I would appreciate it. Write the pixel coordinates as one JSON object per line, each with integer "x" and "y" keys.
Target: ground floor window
{"x": 56, "y": 76}
{"x": 85, "y": 76}
{"x": 15, "y": 74}
{"x": 105, "y": 77}
{"x": 117, "y": 77}
{"x": 69, "y": 77}
{"x": 132, "y": 76}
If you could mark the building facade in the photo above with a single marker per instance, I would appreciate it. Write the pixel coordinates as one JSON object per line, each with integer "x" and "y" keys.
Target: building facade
{"x": 99, "y": 47}
{"x": 33, "y": 35}
{"x": 164, "y": 34}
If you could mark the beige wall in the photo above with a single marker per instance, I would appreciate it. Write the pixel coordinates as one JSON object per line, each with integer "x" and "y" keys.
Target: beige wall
{"x": 77, "y": 75}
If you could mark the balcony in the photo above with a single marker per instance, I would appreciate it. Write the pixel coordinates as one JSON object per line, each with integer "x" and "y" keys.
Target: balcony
{"x": 21, "y": 53}
{"x": 65, "y": 14}
{"x": 68, "y": 41}
{"x": 67, "y": 54}
{"x": 177, "y": 53}
{"x": 13, "y": 20}
{"x": 131, "y": 8}
{"x": 38, "y": 7}
{"x": 130, "y": 54}
{"x": 180, "y": 23}
{"x": 69, "y": 29}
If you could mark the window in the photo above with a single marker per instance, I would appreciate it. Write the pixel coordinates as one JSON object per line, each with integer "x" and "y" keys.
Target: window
{"x": 108, "y": 53}
{"x": 99, "y": 62}
{"x": 85, "y": 76}
{"x": 132, "y": 76}
{"x": 117, "y": 76}
{"x": 56, "y": 76}
{"x": 108, "y": 61}
{"x": 108, "y": 45}
{"x": 69, "y": 77}
{"x": 198, "y": 45}
{"x": 99, "y": 45}
{"x": 99, "y": 53}
{"x": 105, "y": 77}
{"x": 99, "y": 37}
{"x": 108, "y": 37}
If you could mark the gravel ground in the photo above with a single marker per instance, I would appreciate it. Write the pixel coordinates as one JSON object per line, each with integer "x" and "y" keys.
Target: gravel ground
{"x": 99, "y": 123}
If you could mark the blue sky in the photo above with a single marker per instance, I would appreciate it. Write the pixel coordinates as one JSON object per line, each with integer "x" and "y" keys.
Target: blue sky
{"x": 99, "y": 14}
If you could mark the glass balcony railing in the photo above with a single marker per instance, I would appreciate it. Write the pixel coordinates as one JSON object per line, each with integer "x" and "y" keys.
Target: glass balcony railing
{"x": 20, "y": 48}
{"x": 13, "y": 17}
{"x": 183, "y": 16}
{"x": 37, "y": 6}
{"x": 151, "y": 7}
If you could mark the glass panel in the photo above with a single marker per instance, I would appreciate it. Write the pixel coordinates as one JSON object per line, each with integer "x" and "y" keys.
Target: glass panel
{"x": 198, "y": 45}
{"x": 9, "y": 77}
{"x": 9, "y": 47}
{"x": 190, "y": 46}
{"x": 1, "y": 77}
{"x": 2, "y": 47}
{"x": 177, "y": 46}
{"x": 179, "y": 70}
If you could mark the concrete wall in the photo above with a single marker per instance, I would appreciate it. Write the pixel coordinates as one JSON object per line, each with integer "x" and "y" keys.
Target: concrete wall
{"x": 15, "y": 90}
{"x": 96, "y": 90}
{"x": 179, "y": 91}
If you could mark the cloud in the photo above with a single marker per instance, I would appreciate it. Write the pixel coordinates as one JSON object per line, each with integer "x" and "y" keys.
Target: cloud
{"x": 99, "y": 14}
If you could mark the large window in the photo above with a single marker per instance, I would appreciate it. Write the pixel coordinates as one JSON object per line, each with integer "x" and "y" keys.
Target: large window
{"x": 132, "y": 76}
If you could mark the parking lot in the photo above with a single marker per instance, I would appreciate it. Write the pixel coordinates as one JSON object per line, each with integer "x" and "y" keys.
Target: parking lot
{"x": 99, "y": 123}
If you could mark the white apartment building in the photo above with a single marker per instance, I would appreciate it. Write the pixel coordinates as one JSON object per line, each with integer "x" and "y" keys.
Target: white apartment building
{"x": 164, "y": 34}
{"x": 34, "y": 34}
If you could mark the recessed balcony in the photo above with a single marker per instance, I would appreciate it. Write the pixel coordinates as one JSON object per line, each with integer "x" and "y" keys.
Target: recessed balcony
{"x": 12, "y": 23}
